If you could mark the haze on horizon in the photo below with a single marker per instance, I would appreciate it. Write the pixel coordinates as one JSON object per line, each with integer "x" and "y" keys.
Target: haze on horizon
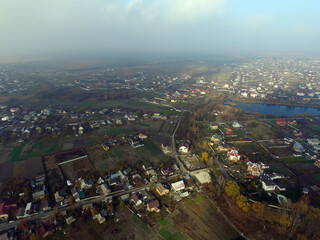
{"x": 217, "y": 26}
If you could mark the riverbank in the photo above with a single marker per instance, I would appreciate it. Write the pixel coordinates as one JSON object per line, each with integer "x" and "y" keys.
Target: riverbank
{"x": 261, "y": 101}
{"x": 274, "y": 109}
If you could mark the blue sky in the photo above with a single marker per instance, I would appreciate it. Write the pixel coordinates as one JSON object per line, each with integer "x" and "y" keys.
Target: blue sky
{"x": 217, "y": 26}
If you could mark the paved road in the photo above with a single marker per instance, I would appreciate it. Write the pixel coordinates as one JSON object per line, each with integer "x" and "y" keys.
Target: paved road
{"x": 7, "y": 226}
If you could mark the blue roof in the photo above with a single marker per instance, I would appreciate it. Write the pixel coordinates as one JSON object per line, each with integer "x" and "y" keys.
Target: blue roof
{"x": 82, "y": 195}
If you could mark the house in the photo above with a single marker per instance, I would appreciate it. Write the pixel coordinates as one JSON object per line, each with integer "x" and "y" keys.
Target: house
{"x": 281, "y": 122}
{"x": 161, "y": 190}
{"x": 20, "y": 213}
{"x": 177, "y": 186}
{"x": 254, "y": 169}
{"x": 269, "y": 185}
{"x": 57, "y": 197}
{"x": 298, "y": 147}
{"x": 236, "y": 125}
{"x": 101, "y": 219}
{"x": 184, "y": 147}
{"x": 135, "y": 199}
{"x": 166, "y": 172}
{"x": 136, "y": 142}
{"x": 86, "y": 183}
{"x": 297, "y": 133}
{"x": 28, "y": 209}
{"x": 233, "y": 155}
{"x": 166, "y": 148}
{"x": 105, "y": 189}
{"x": 70, "y": 220}
{"x": 153, "y": 206}
{"x": 4, "y": 211}
{"x": 214, "y": 126}
{"x": 142, "y": 136}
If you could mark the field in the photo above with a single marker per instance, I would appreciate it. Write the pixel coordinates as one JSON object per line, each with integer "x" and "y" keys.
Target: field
{"x": 280, "y": 168}
{"x": 76, "y": 169}
{"x": 263, "y": 130}
{"x": 305, "y": 168}
{"x": 290, "y": 160}
{"x": 115, "y": 131}
{"x": 199, "y": 220}
{"x": 128, "y": 226}
{"x": 35, "y": 149}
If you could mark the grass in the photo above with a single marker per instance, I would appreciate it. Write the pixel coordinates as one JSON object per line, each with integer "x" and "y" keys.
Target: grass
{"x": 90, "y": 142}
{"x": 37, "y": 149}
{"x": 163, "y": 222}
{"x": 290, "y": 160}
{"x": 117, "y": 153}
{"x": 87, "y": 104}
{"x": 195, "y": 200}
{"x": 155, "y": 151}
{"x": 317, "y": 176}
{"x": 16, "y": 151}
{"x": 145, "y": 124}
{"x": 169, "y": 236}
{"x": 240, "y": 132}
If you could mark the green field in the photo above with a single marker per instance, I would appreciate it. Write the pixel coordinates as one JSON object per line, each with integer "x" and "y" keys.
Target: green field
{"x": 87, "y": 104}
{"x": 117, "y": 131}
{"x": 240, "y": 132}
{"x": 196, "y": 199}
{"x": 117, "y": 153}
{"x": 290, "y": 160}
{"x": 155, "y": 151}
{"x": 169, "y": 236}
{"x": 41, "y": 147}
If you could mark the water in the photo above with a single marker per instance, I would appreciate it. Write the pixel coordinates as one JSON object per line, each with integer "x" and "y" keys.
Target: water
{"x": 278, "y": 110}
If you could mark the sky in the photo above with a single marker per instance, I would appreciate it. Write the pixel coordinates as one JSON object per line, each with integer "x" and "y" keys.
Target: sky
{"x": 211, "y": 26}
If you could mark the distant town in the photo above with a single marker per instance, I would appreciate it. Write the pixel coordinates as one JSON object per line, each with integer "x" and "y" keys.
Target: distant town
{"x": 93, "y": 150}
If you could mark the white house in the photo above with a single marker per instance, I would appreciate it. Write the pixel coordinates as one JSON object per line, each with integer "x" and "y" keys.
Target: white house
{"x": 233, "y": 155}
{"x": 177, "y": 186}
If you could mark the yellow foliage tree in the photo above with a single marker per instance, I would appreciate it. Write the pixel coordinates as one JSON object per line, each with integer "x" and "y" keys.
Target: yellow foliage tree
{"x": 243, "y": 204}
{"x": 259, "y": 208}
{"x": 232, "y": 189}
{"x": 285, "y": 220}
{"x": 205, "y": 157}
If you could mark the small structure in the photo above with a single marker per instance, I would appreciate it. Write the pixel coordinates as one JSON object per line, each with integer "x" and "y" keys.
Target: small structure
{"x": 177, "y": 186}
{"x": 254, "y": 169}
{"x": 4, "y": 211}
{"x": 236, "y": 125}
{"x": 135, "y": 199}
{"x": 233, "y": 155}
{"x": 214, "y": 126}
{"x": 70, "y": 220}
{"x": 184, "y": 147}
{"x": 153, "y": 206}
{"x": 105, "y": 189}
{"x": 281, "y": 122}
{"x": 161, "y": 190}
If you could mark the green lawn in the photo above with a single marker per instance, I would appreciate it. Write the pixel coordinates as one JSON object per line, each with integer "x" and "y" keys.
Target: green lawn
{"x": 119, "y": 131}
{"x": 169, "y": 236}
{"x": 240, "y": 132}
{"x": 90, "y": 142}
{"x": 37, "y": 149}
{"x": 155, "y": 151}
{"x": 163, "y": 222}
{"x": 16, "y": 151}
{"x": 87, "y": 104}
{"x": 117, "y": 153}
{"x": 295, "y": 160}
{"x": 194, "y": 200}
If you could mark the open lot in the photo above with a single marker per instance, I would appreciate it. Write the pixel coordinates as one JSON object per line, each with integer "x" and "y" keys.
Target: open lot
{"x": 76, "y": 169}
{"x": 35, "y": 149}
{"x": 199, "y": 220}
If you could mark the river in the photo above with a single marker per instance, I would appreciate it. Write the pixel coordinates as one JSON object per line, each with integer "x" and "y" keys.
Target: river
{"x": 278, "y": 110}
